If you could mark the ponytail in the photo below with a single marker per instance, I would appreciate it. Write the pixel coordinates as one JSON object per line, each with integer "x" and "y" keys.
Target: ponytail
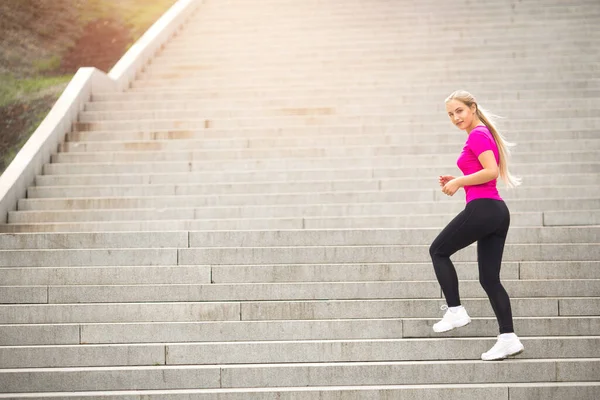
{"x": 503, "y": 149}
{"x": 503, "y": 145}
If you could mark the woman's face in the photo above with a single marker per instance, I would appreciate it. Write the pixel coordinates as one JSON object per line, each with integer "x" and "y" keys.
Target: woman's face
{"x": 460, "y": 114}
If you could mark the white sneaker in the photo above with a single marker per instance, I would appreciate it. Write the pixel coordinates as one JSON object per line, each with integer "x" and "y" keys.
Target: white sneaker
{"x": 504, "y": 347}
{"x": 452, "y": 320}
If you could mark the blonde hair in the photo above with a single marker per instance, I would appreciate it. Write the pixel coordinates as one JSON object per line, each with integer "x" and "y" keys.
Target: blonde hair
{"x": 503, "y": 145}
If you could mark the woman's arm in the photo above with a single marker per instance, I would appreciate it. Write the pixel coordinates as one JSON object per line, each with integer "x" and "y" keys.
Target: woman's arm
{"x": 489, "y": 172}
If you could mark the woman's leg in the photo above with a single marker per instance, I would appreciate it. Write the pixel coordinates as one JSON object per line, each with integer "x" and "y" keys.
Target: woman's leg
{"x": 489, "y": 257}
{"x": 466, "y": 228}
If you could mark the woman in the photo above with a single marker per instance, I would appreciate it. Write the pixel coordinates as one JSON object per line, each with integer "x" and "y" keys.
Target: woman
{"x": 484, "y": 220}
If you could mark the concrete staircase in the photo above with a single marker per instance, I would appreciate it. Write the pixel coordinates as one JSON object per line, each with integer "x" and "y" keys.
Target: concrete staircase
{"x": 251, "y": 219}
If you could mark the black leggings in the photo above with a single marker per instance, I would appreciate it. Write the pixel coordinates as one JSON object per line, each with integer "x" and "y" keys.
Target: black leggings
{"x": 485, "y": 221}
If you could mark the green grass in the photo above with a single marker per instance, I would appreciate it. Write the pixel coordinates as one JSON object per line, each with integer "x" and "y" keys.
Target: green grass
{"x": 14, "y": 90}
{"x": 138, "y": 14}
{"x": 47, "y": 64}
{"x": 34, "y": 86}
{"x": 141, "y": 19}
{"x": 32, "y": 124}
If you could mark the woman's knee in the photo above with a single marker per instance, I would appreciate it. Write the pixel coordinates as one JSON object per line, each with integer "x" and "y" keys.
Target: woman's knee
{"x": 434, "y": 251}
{"x": 490, "y": 284}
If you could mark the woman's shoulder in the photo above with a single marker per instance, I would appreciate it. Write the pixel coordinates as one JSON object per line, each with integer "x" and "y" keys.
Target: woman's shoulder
{"x": 480, "y": 132}
{"x": 480, "y": 139}
{"x": 481, "y": 129}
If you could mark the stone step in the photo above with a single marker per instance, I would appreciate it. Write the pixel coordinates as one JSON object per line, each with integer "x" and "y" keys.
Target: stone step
{"x": 395, "y": 145}
{"x": 373, "y": 156}
{"x": 331, "y": 20}
{"x": 290, "y": 222}
{"x": 300, "y": 203}
{"x": 339, "y": 9}
{"x": 344, "y": 96}
{"x": 397, "y": 271}
{"x": 232, "y": 331}
{"x": 185, "y": 219}
{"x": 576, "y": 89}
{"x": 107, "y": 275}
{"x": 297, "y": 375}
{"x": 518, "y": 40}
{"x": 192, "y": 183}
{"x": 500, "y": 391}
{"x": 276, "y": 238}
{"x": 340, "y": 41}
{"x": 381, "y": 49}
{"x": 400, "y": 123}
{"x": 383, "y": 11}
{"x": 391, "y": 54}
{"x": 158, "y": 239}
{"x": 400, "y": 218}
{"x": 249, "y": 25}
{"x": 124, "y": 275}
{"x": 332, "y": 134}
{"x": 578, "y": 218}
{"x": 401, "y": 83}
{"x": 421, "y": 30}
{"x": 123, "y": 312}
{"x": 207, "y": 331}
{"x": 332, "y": 77}
{"x": 332, "y": 24}
{"x": 370, "y": 236}
{"x": 99, "y": 116}
{"x": 307, "y": 237}
{"x": 379, "y": 25}
{"x": 268, "y": 352}
{"x": 304, "y": 42}
{"x": 532, "y": 41}
{"x": 337, "y": 19}
{"x": 371, "y": 350}
{"x": 330, "y": 73}
{"x": 380, "y": 167}
{"x": 291, "y": 14}
{"x": 348, "y": 103}
{"x": 565, "y": 174}
{"x": 385, "y": 52}
{"x": 352, "y": 254}
{"x": 282, "y": 255}
{"x": 521, "y": 44}
{"x": 89, "y": 257}
{"x": 310, "y": 6}
{"x": 224, "y": 30}
{"x": 422, "y": 308}
{"x": 286, "y": 291}
{"x": 282, "y": 310}
{"x": 365, "y": 192}
{"x": 325, "y": 66}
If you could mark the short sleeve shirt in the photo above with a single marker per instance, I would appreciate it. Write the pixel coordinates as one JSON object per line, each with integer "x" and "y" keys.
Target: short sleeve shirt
{"x": 480, "y": 140}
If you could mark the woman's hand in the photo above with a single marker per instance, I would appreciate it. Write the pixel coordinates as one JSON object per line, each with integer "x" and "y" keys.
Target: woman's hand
{"x": 445, "y": 179}
{"x": 451, "y": 187}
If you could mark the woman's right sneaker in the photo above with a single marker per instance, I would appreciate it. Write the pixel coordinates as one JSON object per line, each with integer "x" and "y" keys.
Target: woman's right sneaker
{"x": 452, "y": 319}
{"x": 507, "y": 345}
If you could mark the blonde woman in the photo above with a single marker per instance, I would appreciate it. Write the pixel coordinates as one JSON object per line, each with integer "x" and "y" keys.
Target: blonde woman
{"x": 484, "y": 220}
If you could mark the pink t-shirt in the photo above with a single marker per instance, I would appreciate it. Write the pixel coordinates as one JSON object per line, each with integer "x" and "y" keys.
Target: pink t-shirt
{"x": 480, "y": 139}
